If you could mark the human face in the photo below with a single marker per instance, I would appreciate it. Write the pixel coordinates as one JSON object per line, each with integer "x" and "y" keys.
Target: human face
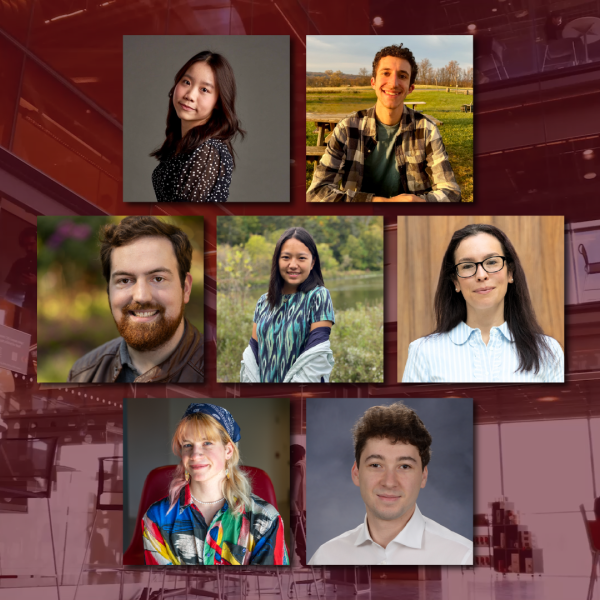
{"x": 392, "y": 82}
{"x": 295, "y": 264}
{"x": 145, "y": 293}
{"x": 390, "y": 478}
{"x": 482, "y": 291}
{"x": 195, "y": 96}
{"x": 205, "y": 460}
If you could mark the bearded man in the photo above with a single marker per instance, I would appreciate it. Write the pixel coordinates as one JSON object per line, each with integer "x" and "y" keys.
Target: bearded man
{"x": 146, "y": 263}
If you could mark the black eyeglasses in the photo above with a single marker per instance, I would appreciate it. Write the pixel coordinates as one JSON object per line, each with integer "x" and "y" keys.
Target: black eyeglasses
{"x": 489, "y": 265}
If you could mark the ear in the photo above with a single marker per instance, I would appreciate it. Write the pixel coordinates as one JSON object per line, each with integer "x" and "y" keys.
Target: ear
{"x": 228, "y": 450}
{"x": 373, "y": 82}
{"x": 411, "y": 89}
{"x": 424, "y": 478}
{"x": 355, "y": 474}
{"x": 187, "y": 288}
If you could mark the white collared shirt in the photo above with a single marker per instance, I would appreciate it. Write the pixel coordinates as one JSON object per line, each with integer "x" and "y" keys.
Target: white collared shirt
{"x": 461, "y": 356}
{"x": 421, "y": 542}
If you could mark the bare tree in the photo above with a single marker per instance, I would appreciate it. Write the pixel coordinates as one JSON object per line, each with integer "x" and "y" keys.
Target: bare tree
{"x": 453, "y": 69}
{"x": 425, "y": 71}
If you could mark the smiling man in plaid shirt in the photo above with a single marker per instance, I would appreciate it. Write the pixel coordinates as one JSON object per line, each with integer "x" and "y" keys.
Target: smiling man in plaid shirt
{"x": 387, "y": 153}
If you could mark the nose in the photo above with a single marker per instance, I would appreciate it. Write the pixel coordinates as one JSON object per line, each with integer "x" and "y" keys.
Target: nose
{"x": 389, "y": 478}
{"x": 142, "y": 293}
{"x": 293, "y": 264}
{"x": 481, "y": 272}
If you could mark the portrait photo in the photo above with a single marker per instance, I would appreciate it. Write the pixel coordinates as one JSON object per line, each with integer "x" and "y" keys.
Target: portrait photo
{"x": 300, "y": 299}
{"x": 481, "y": 299}
{"x": 389, "y": 118}
{"x": 211, "y": 123}
{"x": 206, "y": 483}
{"x": 396, "y": 487}
{"x": 120, "y": 299}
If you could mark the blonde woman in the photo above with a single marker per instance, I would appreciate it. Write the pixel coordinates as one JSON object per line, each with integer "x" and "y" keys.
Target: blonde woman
{"x": 211, "y": 516}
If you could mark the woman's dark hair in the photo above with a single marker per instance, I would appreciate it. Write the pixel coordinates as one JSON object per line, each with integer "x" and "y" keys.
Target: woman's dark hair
{"x": 312, "y": 281}
{"x": 223, "y": 123}
{"x": 451, "y": 308}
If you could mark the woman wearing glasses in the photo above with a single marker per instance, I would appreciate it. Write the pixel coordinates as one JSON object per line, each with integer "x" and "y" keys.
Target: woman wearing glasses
{"x": 486, "y": 329}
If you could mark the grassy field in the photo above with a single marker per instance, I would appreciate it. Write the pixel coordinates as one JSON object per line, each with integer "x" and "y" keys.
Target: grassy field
{"x": 457, "y": 128}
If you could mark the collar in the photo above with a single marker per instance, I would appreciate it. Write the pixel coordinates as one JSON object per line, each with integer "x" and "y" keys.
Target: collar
{"x": 407, "y": 122}
{"x": 126, "y": 358}
{"x": 462, "y": 332}
{"x": 411, "y": 535}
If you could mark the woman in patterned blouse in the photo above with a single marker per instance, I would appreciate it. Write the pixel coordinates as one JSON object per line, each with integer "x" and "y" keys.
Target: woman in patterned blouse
{"x": 196, "y": 158}
{"x": 211, "y": 516}
{"x": 293, "y": 320}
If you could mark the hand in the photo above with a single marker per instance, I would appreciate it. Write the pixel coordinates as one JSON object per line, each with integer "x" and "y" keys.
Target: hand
{"x": 400, "y": 198}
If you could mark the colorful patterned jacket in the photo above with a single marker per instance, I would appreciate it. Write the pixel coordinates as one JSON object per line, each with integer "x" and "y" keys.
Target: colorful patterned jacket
{"x": 182, "y": 537}
{"x": 420, "y": 155}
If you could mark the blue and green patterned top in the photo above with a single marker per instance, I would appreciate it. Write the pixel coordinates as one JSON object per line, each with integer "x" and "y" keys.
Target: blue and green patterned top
{"x": 282, "y": 333}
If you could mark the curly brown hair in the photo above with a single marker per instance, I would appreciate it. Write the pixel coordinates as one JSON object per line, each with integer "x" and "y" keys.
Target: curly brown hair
{"x": 131, "y": 229}
{"x": 399, "y": 52}
{"x": 396, "y": 423}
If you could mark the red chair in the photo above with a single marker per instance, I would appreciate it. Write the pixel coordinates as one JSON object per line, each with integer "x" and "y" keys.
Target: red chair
{"x": 592, "y": 528}
{"x": 156, "y": 487}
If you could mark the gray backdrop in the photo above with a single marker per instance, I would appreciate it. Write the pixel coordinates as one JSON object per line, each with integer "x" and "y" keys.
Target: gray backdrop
{"x": 149, "y": 425}
{"x": 334, "y": 504}
{"x": 262, "y": 73}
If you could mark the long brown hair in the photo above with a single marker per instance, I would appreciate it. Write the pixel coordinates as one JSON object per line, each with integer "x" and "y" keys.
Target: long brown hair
{"x": 223, "y": 123}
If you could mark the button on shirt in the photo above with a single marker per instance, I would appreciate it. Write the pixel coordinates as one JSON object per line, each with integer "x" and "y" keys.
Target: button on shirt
{"x": 462, "y": 356}
{"x": 421, "y": 542}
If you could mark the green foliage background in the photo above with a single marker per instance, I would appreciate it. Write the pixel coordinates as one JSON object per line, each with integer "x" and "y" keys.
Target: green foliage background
{"x": 348, "y": 247}
{"x": 73, "y": 311}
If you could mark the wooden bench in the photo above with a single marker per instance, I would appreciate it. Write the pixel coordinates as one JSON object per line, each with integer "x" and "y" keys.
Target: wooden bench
{"x": 314, "y": 154}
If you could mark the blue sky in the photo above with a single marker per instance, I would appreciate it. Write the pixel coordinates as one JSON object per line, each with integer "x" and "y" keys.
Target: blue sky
{"x": 348, "y": 53}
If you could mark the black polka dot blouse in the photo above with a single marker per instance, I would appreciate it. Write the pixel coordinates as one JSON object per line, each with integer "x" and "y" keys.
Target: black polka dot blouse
{"x": 202, "y": 176}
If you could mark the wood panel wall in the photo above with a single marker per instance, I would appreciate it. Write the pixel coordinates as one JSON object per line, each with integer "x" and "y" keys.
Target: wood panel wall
{"x": 422, "y": 241}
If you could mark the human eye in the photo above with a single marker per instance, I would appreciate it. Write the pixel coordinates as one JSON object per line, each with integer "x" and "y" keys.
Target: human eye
{"x": 159, "y": 279}
{"x": 187, "y": 446}
{"x": 207, "y": 443}
{"x": 492, "y": 261}
{"x": 405, "y": 467}
{"x": 374, "y": 465}
{"x": 123, "y": 280}
{"x": 205, "y": 90}
{"x": 465, "y": 267}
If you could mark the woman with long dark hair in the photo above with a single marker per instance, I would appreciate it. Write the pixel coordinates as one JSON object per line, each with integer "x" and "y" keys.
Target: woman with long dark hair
{"x": 486, "y": 328}
{"x": 293, "y": 320}
{"x": 210, "y": 515}
{"x": 197, "y": 157}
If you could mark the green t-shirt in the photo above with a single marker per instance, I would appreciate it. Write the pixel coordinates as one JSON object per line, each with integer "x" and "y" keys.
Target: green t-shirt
{"x": 381, "y": 176}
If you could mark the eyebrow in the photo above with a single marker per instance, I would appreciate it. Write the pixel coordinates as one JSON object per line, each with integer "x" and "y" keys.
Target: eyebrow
{"x": 468, "y": 259}
{"x": 207, "y": 83}
{"x": 379, "y": 457}
{"x": 390, "y": 69}
{"x": 158, "y": 270}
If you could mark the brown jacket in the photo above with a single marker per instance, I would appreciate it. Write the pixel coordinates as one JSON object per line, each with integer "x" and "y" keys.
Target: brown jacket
{"x": 185, "y": 365}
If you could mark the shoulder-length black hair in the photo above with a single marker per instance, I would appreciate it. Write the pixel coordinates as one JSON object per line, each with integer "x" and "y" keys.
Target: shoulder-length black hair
{"x": 451, "y": 308}
{"x": 312, "y": 281}
{"x": 223, "y": 123}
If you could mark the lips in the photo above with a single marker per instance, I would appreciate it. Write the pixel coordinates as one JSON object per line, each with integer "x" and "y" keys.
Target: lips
{"x": 137, "y": 313}
{"x": 187, "y": 108}
{"x": 391, "y": 94}
{"x": 484, "y": 290}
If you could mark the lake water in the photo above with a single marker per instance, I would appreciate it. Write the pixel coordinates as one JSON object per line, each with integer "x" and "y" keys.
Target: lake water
{"x": 348, "y": 292}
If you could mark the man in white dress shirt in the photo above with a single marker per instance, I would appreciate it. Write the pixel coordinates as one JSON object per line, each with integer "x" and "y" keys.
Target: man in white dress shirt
{"x": 392, "y": 450}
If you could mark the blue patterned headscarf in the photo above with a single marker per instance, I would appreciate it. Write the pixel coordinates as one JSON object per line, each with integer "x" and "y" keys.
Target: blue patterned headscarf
{"x": 222, "y": 415}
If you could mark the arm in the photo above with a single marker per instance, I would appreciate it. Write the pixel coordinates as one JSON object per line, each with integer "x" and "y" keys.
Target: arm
{"x": 327, "y": 175}
{"x": 206, "y": 176}
{"x": 443, "y": 185}
{"x": 271, "y": 548}
{"x": 156, "y": 550}
{"x": 556, "y": 369}
{"x": 416, "y": 370}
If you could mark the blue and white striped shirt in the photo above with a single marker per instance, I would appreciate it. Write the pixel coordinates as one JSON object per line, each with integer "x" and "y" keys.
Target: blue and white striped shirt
{"x": 461, "y": 356}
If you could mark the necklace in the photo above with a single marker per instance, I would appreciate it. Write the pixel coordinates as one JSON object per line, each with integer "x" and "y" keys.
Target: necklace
{"x": 201, "y": 502}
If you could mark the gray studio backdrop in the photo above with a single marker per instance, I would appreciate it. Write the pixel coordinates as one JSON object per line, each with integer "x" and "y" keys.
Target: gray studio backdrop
{"x": 334, "y": 504}
{"x": 149, "y": 424}
{"x": 262, "y": 73}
